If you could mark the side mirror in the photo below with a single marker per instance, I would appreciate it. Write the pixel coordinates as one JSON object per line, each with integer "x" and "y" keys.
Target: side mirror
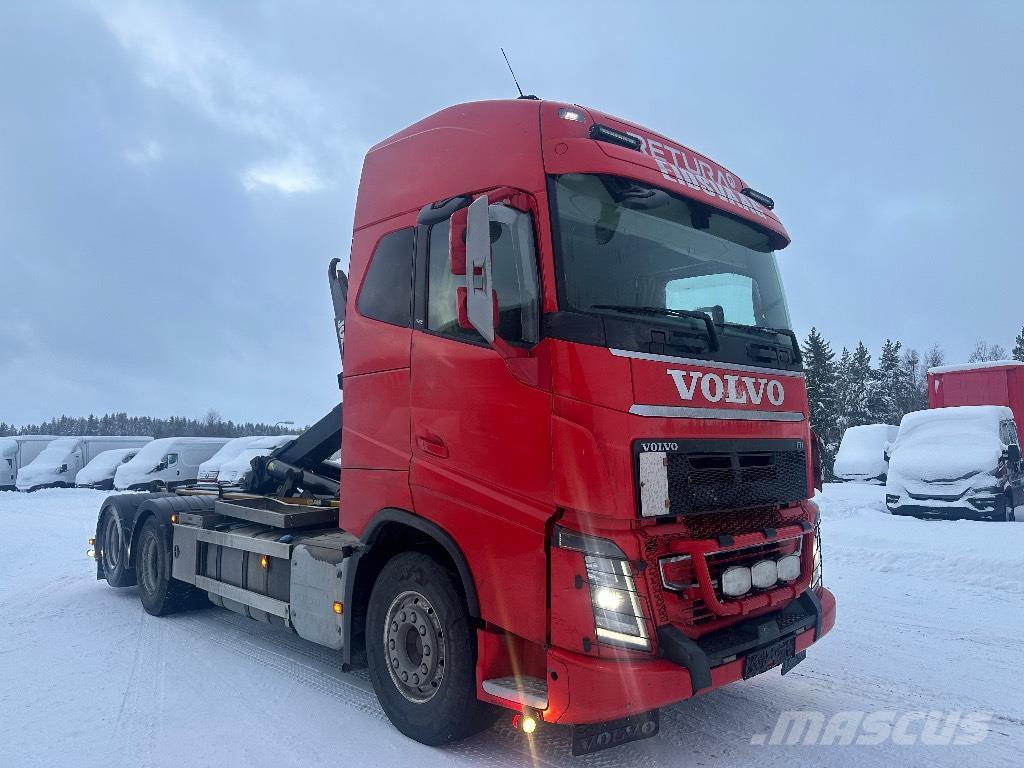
{"x": 1013, "y": 454}
{"x": 63, "y": 468}
{"x": 480, "y": 298}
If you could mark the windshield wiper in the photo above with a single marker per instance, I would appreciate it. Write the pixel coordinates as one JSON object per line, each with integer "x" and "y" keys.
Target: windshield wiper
{"x": 766, "y": 331}
{"x": 709, "y": 323}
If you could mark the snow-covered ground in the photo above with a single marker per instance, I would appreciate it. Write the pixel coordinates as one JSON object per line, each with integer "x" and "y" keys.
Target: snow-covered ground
{"x": 931, "y": 616}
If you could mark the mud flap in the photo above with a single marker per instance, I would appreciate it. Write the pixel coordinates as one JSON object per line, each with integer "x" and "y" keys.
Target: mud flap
{"x": 587, "y": 739}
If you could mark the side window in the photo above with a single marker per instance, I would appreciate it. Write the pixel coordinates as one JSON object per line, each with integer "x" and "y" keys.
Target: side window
{"x": 514, "y": 276}
{"x": 386, "y": 294}
{"x": 172, "y": 459}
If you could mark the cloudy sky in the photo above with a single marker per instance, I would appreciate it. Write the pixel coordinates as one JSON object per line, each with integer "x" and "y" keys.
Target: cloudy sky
{"x": 174, "y": 177}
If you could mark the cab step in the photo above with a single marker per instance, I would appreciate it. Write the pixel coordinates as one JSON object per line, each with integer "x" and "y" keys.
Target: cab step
{"x": 526, "y": 691}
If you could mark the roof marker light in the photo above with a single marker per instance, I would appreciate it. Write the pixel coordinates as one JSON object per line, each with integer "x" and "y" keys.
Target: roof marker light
{"x": 571, "y": 114}
{"x": 758, "y": 197}
{"x": 603, "y": 133}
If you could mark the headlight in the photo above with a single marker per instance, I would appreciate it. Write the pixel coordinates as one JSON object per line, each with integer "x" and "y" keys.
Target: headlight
{"x": 618, "y": 616}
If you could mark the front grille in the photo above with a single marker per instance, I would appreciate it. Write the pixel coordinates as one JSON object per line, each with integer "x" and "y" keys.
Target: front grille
{"x": 707, "y": 475}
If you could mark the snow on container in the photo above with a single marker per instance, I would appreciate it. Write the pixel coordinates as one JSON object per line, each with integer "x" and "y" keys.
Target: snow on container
{"x": 956, "y": 462}
{"x": 861, "y": 456}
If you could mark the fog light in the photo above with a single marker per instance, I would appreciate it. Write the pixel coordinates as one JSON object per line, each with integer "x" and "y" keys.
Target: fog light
{"x": 764, "y": 574}
{"x": 789, "y": 568}
{"x": 736, "y": 581}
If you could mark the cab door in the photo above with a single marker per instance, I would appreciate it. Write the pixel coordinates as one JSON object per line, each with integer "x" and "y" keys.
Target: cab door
{"x": 481, "y": 445}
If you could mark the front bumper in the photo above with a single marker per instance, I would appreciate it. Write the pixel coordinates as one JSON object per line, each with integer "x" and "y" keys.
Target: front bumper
{"x": 585, "y": 689}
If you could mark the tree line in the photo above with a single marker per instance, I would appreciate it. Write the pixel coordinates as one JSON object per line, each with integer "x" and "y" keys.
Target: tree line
{"x": 848, "y": 390}
{"x": 211, "y": 425}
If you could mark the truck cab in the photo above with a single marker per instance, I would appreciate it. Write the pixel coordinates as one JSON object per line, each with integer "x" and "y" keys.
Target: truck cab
{"x": 567, "y": 347}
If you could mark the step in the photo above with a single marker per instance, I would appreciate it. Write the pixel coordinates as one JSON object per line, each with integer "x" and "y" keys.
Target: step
{"x": 528, "y": 691}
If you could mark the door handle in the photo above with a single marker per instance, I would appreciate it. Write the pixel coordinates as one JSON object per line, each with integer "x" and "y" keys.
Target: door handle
{"x": 432, "y": 444}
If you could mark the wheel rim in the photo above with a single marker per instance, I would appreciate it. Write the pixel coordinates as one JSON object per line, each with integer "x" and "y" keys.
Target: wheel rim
{"x": 112, "y": 543}
{"x": 149, "y": 571}
{"x": 414, "y": 647}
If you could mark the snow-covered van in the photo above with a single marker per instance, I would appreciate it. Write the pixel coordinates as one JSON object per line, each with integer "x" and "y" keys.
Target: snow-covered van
{"x": 862, "y": 457}
{"x": 16, "y": 452}
{"x": 99, "y": 473}
{"x": 960, "y": 462}
{"x": 166, "y": 463}
{"x": 236, "y": 470}
{"x": 210, "y": 469}
{"x": 58, "y": 464}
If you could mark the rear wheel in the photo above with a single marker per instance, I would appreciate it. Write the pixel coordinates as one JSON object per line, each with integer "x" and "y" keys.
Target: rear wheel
{"x": 114, "y": 552}
{"x": 160, "y": 594}
{"x": 421, "y": 652}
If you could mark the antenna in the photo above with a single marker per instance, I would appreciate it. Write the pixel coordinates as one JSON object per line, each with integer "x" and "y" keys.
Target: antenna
{"x": 514, "y": 78}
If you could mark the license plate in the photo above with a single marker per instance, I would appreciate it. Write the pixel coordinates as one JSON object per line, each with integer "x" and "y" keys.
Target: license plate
{"x": 767, "y": 658}
{"x": 593, "y": 738}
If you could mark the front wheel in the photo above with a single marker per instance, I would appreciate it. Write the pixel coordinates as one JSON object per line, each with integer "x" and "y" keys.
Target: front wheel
{"x": 421, "y": 652}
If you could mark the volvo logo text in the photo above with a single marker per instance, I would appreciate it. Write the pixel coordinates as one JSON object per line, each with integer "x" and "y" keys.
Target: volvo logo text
{"x": 728, "y": 388}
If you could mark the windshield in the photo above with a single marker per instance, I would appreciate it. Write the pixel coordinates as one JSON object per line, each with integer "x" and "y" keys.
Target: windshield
{"x": 625, "y": 247}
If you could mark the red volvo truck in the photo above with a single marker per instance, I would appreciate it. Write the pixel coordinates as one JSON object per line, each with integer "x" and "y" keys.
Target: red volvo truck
{"x": 576, "y": 459}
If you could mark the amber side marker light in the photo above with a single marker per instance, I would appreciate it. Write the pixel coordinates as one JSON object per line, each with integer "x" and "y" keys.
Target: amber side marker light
{"x": 174, "y": 519}
{"x": 264, "y": 562}
{"x": 337, "y": 607}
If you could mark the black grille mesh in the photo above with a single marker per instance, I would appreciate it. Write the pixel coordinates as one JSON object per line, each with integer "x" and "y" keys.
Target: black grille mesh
{"x": 703, "y": 482}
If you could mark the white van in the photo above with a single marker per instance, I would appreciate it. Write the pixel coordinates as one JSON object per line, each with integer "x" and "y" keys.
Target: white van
{"x": 210, "y": 468}
{"x": 236, "y": 471}
{"x": 57, "y": 465}
{"x": 958, "y": 462}
{"x": 166, "y": 463}
{"x": 862, "y": 456}
{"x": 16, "y": 452}
{"x": 99, "y": 473}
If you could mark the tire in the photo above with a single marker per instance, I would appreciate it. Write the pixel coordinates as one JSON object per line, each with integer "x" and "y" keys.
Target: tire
{"x": 160, "y": 594}
{"x": 418, "y": 630}
{"x": 113, "y": 545}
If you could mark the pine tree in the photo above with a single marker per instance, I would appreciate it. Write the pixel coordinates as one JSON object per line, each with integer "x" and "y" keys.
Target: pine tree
{"x": 1018, "y": 347}
{"x": 858, "y": 386}
{"x": 843, "y": 399}
{"x": 821, "y": 379}
{"x": 887, "y": 387}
